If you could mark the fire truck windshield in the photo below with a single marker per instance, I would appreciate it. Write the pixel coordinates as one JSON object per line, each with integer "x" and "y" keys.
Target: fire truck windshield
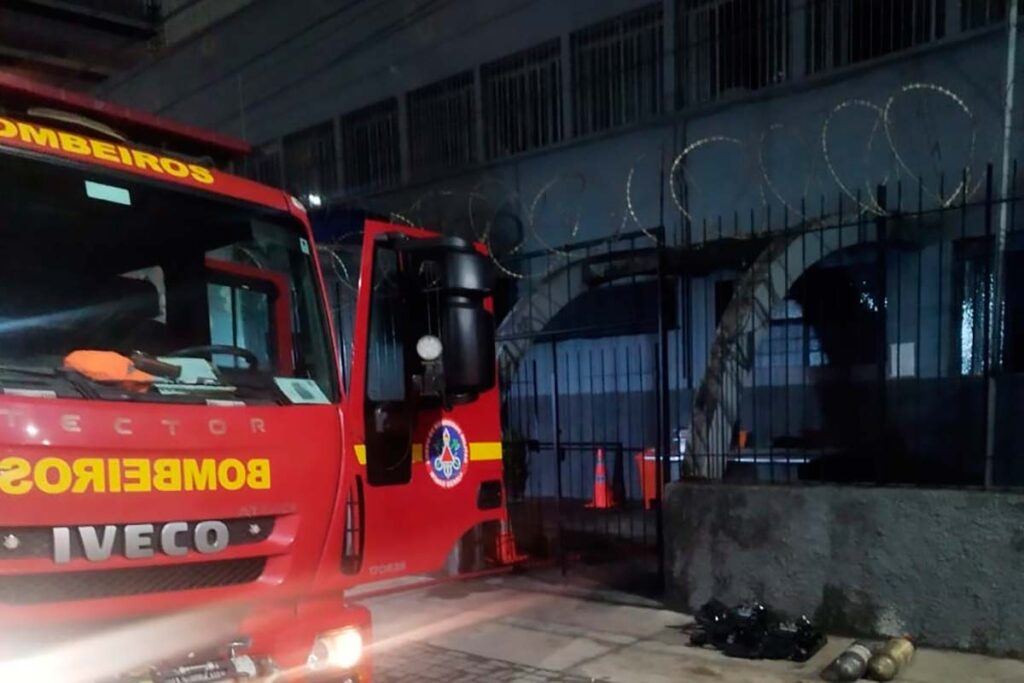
{"x": 222, "y": 293}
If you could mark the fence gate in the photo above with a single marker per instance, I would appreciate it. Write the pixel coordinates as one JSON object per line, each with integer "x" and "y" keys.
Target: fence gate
{"x": 582, "y": 369}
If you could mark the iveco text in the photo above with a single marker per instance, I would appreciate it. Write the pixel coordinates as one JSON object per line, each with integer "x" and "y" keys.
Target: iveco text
{"x": 140, "y": 540}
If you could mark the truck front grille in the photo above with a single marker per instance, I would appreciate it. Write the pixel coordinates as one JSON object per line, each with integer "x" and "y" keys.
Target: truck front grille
{"x": 34, "y": 589}
{"x": 22, "y": 542}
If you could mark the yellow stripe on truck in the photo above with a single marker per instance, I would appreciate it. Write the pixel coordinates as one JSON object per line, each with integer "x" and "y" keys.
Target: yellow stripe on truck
{"x": 478, "y": 451}
{"x": 485, "y": 450}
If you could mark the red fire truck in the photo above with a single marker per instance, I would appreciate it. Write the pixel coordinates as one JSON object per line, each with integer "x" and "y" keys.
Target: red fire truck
{"x": 192, "y": 470}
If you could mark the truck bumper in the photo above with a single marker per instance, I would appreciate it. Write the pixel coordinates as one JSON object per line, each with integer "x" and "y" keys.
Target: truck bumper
{"x": 250, "y": 643}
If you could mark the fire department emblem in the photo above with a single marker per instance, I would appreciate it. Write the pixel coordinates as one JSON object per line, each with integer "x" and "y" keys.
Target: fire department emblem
{"x": 447, "y": 454}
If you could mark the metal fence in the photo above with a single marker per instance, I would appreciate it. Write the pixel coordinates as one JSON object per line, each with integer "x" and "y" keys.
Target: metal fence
{"x": 851, "y": 340}
{"x": 581, "y": 406}
{"x": 863, "y": 344}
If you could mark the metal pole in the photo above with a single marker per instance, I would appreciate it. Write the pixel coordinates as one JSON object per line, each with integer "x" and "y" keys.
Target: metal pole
{"x": 664, "y": 410}
{"x": 996, "y": 321}
{"x": 665, "y": 405}
{"x": 883, "y": 332}
{"x": 557, "y": 439}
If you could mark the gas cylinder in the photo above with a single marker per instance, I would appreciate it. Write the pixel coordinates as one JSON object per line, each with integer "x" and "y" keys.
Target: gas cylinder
{"x": 892, "y": 658}
{"x": 850, "y": 665}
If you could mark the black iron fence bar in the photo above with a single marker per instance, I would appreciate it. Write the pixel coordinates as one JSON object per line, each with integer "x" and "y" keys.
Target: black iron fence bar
{"x": 882, "y": 330}
{"x": 662, "y": 472}
{"x": 556, "y": 432}
{"x": 962, "y": 451}
{"x": 989, "y": 407}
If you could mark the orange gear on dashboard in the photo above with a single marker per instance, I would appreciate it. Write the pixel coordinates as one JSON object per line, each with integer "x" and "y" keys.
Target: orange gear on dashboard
{"x": 106, "y": 366}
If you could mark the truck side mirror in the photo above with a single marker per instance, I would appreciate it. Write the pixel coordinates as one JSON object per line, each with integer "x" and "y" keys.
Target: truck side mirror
{"x": 454, "y": 281}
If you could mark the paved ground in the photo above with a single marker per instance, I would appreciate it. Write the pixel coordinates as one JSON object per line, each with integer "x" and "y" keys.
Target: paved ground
{"x": 420, "y": 662}
{"x": 519, "y": 630}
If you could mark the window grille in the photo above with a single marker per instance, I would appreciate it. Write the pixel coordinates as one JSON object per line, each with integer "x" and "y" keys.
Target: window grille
{"x": 978, "y": 13}
{"x": 522, "y": 101}
{"x": 310, "y": 161}
{"x": 730, "y": 46}
{"x": 844, "y": 32}
{"x": 370, "y": 147}
{"x": 617, "y": 71}
{"x": 263, "y": 164}
{"x": 442, "y": 125}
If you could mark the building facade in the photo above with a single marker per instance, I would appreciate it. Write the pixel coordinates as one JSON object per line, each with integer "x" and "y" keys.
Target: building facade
{"x": 552, "y": 130}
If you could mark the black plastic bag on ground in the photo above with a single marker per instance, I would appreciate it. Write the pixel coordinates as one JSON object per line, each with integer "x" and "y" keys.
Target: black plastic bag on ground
{"x": 712, "y": 625}
{"x": 753, "y": 631}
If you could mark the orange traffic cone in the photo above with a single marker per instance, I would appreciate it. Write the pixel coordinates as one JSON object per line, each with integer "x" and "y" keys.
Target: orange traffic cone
{"x": 604, "y": 497}
{"x": 507, "y": 551}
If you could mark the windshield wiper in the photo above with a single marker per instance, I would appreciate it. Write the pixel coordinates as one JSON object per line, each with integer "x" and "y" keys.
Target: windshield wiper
{"x": 29, "y": 371}
{"x": 49, "y": 376}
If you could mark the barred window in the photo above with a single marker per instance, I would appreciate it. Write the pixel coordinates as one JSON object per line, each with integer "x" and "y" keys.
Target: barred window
{"x": 729, "y": 46}
{"x": 370, "y": 147}
{"x": 843, "y": 32}
{"x": 310, "y": 161}
{"x": 522, "y": 101}
{"x": 442, "y": 125}
{"x": 617, "y": 71}
{"x": 263, "y": 164}
{"x": 978, "y": 13}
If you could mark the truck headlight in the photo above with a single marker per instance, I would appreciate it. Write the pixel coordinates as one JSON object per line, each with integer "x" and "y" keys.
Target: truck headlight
{"x": 337, "y": 649}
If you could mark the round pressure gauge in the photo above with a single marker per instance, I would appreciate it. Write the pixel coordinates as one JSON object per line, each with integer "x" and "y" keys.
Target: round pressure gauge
{"x": 429, "y": 348}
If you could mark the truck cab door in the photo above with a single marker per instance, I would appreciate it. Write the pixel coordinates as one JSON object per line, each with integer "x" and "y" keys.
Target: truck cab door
{"x": 421, "y": 414}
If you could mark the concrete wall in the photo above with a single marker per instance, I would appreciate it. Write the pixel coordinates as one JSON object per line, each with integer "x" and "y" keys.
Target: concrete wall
{"x": 943, "y": 566}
